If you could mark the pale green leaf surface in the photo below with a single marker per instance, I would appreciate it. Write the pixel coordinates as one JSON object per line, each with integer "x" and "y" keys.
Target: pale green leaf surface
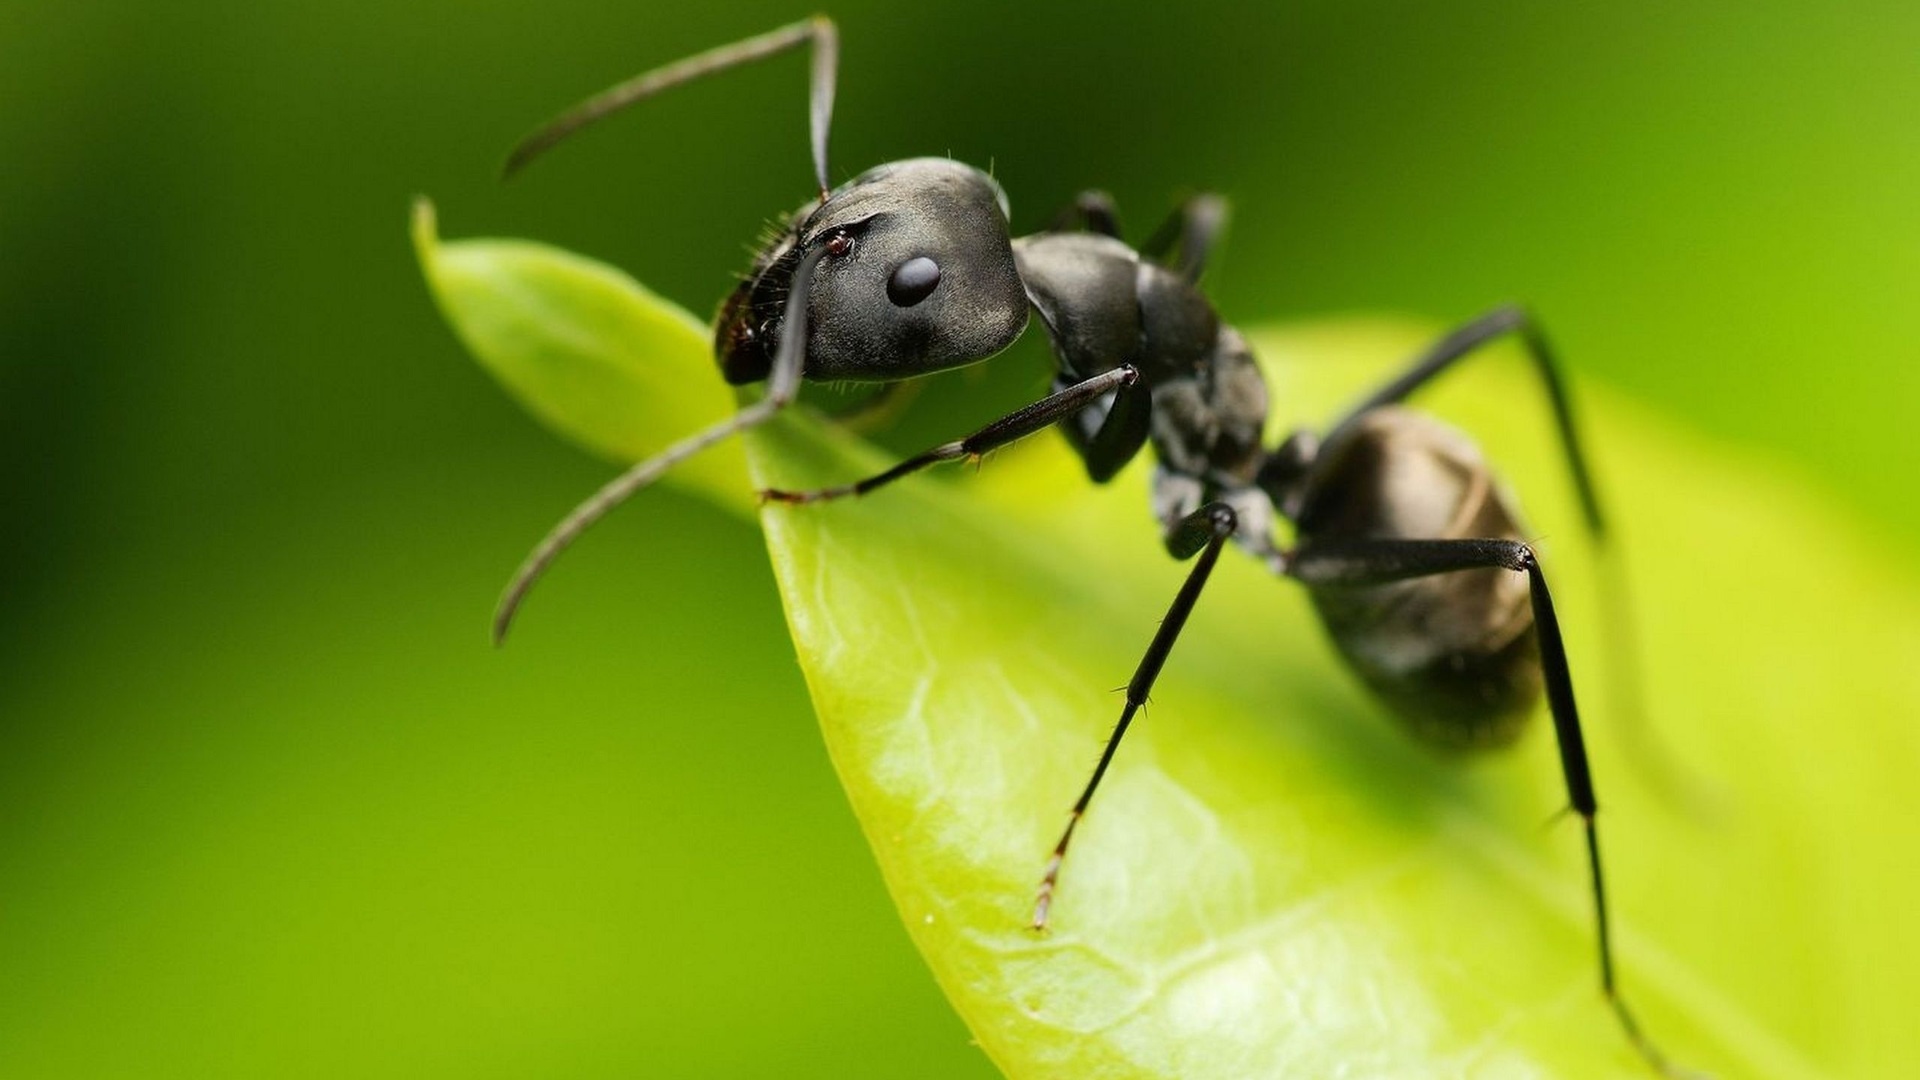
{"x": 1274, "y": 881}
{"x": 588, "y": 350}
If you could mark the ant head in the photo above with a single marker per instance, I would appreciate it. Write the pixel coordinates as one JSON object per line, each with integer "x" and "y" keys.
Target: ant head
{"x": 917, "y": 276}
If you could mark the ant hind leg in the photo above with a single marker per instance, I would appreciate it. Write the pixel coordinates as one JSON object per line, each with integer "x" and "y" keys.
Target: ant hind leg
{"x": 1378, "y": 562}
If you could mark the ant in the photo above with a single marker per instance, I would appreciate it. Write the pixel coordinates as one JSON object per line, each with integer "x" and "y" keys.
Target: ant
{"x": 1411, "y": 556}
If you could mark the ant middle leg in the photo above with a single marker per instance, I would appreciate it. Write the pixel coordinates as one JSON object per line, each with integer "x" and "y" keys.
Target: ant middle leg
{"x": 1188, "y": 233}
{"x": 1185, "y": 239}
{"x": 1093, "y": 210}
{"x": 1359, "y": 564}
{"x": 1205, "y": 532}
{"x": 1120, "y": 436}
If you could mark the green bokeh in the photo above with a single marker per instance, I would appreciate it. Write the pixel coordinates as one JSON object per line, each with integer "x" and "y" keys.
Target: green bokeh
{"x": 268, "y": 803}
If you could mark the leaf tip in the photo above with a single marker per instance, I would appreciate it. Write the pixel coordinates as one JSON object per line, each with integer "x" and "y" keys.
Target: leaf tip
{"x": 425, "y": 226}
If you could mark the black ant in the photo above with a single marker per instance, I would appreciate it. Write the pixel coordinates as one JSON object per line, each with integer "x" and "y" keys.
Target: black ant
{"x": 1412, "y": 558}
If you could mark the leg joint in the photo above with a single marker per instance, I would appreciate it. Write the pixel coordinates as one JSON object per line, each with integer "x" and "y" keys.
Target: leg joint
{"x": 1524, "y": 559}
{"x": 1511, "y": 315}
{"x": 1213, "y": 522}
{"x": 1222, "y": 518}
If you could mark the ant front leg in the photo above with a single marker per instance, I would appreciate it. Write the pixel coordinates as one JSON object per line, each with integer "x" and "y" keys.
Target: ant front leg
{"x": 1379, "y": 562}
{"x": 1126, "y": 421}
{"x": 1204, "y": 531}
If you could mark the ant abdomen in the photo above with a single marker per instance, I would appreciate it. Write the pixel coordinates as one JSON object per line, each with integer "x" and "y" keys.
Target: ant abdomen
{"x": 1455, "y": 656}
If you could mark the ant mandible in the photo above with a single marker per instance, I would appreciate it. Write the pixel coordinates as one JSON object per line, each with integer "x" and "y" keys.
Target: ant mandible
{"x": 1413, "y": 560}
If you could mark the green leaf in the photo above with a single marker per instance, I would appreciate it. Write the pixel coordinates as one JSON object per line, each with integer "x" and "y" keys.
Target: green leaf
{"x": 588, "y": 350}
{"x": 1274, "y": 881}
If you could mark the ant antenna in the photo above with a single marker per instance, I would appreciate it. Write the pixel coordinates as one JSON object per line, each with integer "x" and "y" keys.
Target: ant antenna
{"x": 782, "y": 385}
{"x": 818, "y": 30}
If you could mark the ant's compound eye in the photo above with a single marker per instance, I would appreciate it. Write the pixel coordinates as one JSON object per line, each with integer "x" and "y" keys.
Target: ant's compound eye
{"x": 913, "y": 282}
{"x": 839, "y": 244}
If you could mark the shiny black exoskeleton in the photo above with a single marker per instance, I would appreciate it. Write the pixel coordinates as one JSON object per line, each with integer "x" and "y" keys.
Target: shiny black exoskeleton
{"x": 1413, "y": 560}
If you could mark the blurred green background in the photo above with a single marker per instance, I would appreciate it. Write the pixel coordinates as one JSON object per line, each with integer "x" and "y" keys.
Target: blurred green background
{"x": 269, "y": 805}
